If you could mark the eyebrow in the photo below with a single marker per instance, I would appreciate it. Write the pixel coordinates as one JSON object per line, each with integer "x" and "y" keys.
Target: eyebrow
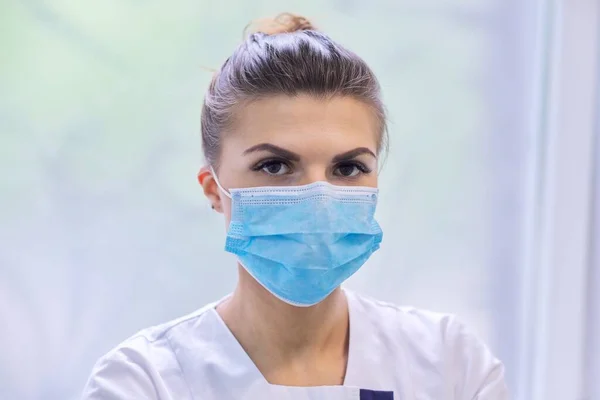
{"x": 279, "y": 151}
{"x": 352, "y": 154}
{"x": 290, "y": 155}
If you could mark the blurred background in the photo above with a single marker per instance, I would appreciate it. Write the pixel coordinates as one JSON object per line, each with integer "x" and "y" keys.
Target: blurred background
{"x": 490, "y": 194}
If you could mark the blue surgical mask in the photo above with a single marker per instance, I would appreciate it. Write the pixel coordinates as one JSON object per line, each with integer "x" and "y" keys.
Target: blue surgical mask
{"x": 302, "y": 242}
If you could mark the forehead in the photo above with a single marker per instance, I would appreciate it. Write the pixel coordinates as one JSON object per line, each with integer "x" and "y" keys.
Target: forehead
{"x": 305, "y": 121}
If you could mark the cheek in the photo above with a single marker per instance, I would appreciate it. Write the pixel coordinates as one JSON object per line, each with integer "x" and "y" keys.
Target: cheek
{"x": 371, "y": 180}
{"x": 226, "y": 204}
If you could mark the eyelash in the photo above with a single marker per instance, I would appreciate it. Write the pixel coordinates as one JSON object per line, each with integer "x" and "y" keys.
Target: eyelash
{"x": 360, "y": 166}
{"x": 262, "y": 164}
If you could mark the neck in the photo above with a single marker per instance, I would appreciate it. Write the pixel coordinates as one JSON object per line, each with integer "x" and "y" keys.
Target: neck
{"x": 260, "y": 321}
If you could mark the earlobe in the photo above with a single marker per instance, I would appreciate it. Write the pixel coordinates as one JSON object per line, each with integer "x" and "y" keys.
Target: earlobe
{"x": 210, "y": 188}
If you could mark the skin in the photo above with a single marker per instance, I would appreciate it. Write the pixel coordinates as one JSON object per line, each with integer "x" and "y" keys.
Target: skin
{"x": 289, "y": 345}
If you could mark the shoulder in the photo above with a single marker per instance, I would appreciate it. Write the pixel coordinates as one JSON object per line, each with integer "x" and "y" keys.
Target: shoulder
{"x": 437, "y": 344}
{"x": 143, "y": 366}
{"x": 410, "y": 323}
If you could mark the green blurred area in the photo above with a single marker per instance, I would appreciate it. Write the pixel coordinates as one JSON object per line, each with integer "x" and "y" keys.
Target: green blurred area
{"x": 100, "y": 89}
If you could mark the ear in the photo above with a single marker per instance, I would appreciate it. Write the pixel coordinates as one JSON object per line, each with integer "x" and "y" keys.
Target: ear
{"x": 210, "y": 187}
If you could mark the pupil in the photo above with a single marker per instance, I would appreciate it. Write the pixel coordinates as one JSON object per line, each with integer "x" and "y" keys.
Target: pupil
{"x": 274, "y": 168}
{"x": 347, "y": 170}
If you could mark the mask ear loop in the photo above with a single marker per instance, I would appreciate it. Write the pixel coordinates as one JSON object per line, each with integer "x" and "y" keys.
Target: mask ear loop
{"x": 225, "y": 192}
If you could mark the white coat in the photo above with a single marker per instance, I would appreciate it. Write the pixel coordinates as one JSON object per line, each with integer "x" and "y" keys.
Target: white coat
{"x": 395, "y": 353}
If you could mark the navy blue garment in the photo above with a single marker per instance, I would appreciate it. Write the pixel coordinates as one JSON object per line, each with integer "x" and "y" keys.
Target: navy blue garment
{"x": 375, "y": 395}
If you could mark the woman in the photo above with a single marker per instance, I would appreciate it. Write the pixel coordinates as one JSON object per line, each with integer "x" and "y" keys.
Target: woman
{"x": 292, "y": 129}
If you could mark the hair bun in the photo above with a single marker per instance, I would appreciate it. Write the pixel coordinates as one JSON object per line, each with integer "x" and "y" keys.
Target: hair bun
{"x": 283, "y": 23}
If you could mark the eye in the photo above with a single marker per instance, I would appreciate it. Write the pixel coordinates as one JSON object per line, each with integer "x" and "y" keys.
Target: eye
{"x": 274, "y": 167}
{"x": 350, "y": 169}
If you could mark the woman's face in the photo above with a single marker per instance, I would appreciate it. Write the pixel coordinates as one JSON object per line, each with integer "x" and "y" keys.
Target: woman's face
{"x": 290, "y": 141}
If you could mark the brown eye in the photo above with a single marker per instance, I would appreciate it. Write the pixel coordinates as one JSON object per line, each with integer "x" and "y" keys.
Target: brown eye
{"x": 275, "y": 168}
{"x": 348, "y": 170}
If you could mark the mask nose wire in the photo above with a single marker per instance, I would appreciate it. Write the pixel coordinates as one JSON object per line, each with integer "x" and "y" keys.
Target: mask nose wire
{"x": 225, "y": 192}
